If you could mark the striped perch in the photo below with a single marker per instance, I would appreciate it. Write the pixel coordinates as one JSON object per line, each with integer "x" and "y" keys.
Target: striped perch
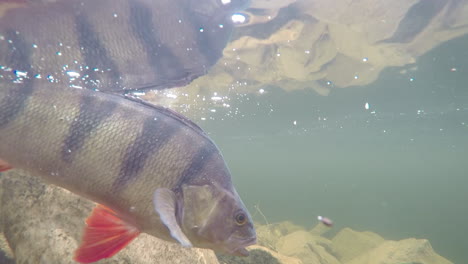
{"x": 150, "y": 169}
{"x": 116, "y": 45}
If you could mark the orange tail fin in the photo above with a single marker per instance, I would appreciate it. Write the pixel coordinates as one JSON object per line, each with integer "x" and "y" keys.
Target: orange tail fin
{"x": 4, "y": 166}
{"x": 105, "y": 235}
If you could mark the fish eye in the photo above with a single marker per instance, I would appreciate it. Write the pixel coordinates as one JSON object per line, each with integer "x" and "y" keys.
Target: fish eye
{"x": 241, "y": 219}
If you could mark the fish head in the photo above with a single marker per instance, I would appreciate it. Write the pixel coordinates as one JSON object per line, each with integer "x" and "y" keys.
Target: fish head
{"x": 216, "y": 218}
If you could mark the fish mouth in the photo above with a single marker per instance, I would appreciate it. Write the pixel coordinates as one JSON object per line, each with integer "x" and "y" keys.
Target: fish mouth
{"x": 241, "y": 250}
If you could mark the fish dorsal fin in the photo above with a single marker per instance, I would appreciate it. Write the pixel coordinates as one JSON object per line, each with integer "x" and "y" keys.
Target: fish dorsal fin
{"x": 105, "y": 235}
{"x": 167, "y": 111}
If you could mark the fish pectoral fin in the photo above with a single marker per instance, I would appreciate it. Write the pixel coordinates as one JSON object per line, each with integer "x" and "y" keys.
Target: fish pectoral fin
{"x": 164, "y": 201}
{"x": 4, "y": 166}
{"x": 105, "y": 235}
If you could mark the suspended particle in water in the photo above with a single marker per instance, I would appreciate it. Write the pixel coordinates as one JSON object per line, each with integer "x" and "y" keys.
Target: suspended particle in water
{"x": 73, "y": 74}
{"x": 367, "y": 106}
{"x": 326, "y": 221}
{"x": 20, "y": 74}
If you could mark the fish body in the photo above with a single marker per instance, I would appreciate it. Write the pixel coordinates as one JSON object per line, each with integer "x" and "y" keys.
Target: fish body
{"x": 115, "y": 45}
{"x": 150, "y": 169}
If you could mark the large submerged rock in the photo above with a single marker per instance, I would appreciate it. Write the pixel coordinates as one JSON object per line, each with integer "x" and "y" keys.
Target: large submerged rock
{"x": 43, "y": 224}
{"x": 268, "y": 235}
{"x": 307, "y": 247}
{"x": 404, "y": 251}
{"x": 350, "y": 243}
{"x": 348, "y": 246}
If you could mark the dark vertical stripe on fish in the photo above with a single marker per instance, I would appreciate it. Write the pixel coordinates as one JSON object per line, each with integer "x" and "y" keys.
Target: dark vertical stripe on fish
{"x": 154, "y": 135}
{"x": 19, "y": 61}
{"x": 20, "y": 51}
{"x": 198, "y": 163}
{"x": 95, "y": 55}
{"x": 92, "y": 114}
{"x": 214, "y": 38}
{"x": 160, "y": 57}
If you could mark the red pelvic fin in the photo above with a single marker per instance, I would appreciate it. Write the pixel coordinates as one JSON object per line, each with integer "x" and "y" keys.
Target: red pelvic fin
{"x": 4, "y": 166}
{"x": 105, "y": 235}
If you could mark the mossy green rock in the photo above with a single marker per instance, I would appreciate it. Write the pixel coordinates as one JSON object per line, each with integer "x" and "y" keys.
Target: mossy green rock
{"x": 257, "y": 256}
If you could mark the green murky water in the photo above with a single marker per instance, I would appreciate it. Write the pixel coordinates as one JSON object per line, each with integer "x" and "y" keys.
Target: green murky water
{"x": 398, "y": 168}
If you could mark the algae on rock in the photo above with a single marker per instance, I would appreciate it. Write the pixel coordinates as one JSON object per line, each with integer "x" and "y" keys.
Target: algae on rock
{"x": 256, "y": 256}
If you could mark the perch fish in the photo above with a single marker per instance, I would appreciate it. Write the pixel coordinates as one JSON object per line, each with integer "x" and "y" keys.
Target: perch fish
{"x": 149, "y": 169}
{"x": 115, "y": 45}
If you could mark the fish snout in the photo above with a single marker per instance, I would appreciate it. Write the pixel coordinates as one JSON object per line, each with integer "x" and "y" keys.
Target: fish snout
{"x": 241, "y": 250}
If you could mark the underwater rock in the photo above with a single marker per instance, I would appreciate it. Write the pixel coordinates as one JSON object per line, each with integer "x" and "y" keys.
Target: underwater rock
{"x": 320, "y": 229}
{"x": 268, "y": 235}
{"x": 404, "y": 251}
{"x": 282, "y": 258}
{"x": 256, "y": 256}
{"x": 43, "y": 224}
{"x": 294, "y": 241}
{"x": 349, "y": 243}
{"x": 307, "y": 247}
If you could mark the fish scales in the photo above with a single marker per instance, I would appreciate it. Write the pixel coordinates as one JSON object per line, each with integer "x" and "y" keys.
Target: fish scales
{"x": 118, "y": 45}
{"x": 46, "y": 124}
